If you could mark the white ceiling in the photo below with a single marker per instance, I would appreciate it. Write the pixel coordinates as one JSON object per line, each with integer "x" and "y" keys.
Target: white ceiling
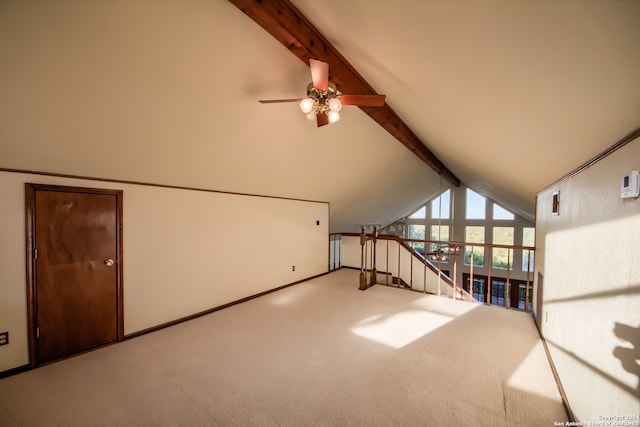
{"x": 510, "y": 95}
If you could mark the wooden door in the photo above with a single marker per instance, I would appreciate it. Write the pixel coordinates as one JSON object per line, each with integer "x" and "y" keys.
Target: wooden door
{"x": 76, "y": 270}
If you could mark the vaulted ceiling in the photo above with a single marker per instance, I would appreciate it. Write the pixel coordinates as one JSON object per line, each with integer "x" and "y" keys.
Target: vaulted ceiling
{"x": 508, "y": 95}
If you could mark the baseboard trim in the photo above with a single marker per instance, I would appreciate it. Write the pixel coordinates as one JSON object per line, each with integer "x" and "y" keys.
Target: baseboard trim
{"x": 27, "y": 367}
{"x": 14, "y": 371}
{"x": 563, "y": 395}
{"x": 217, "y": 308}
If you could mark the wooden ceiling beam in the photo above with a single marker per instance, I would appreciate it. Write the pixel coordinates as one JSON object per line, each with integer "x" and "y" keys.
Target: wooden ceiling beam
{"x": 289, "y": 26}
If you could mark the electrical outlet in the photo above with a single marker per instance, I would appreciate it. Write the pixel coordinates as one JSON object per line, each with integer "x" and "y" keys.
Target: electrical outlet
{"x": 293, "y": 268}
{"x": 4, "y": 338}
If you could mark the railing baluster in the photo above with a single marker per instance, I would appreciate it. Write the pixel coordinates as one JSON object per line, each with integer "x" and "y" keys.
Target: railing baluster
{"x": 411, "y": 269}
{"x": 471, "y": 274}
{"x": 398, "y": 281}
{"x": 386, "y": 267}
{"x": 439, "y": 277}
{"x": 424, "y": 274}
{"x": 374, "y": 249}
{"x": 490, "y": 261}
{"x": 455, "y": 277}
{"x": 507, "y": 286}
{"x": 526, "y": 292}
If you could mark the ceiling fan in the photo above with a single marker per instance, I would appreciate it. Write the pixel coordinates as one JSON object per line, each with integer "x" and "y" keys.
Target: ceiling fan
{"x": 324, "y": 101}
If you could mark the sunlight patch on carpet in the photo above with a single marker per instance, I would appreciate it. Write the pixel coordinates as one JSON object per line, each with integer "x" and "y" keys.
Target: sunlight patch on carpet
{"x": 529, "y": 376}
{"x": 292, "y": 296}
{"x": 397, "y": 330}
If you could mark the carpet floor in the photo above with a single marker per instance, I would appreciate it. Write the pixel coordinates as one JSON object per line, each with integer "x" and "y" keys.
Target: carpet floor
{"x": 321, "y": 353}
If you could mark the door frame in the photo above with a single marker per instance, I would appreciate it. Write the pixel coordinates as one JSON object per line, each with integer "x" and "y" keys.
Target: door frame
{"x": 30, "y": 206}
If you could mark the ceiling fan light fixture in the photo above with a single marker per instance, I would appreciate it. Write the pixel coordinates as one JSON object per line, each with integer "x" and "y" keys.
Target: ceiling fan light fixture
{"x": 324, "y": 101}
{"x": 306, "y": 105}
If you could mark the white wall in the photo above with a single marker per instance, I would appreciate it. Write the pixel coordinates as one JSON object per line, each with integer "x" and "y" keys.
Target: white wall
{"x": 185, "y": 251}
{"x": 589, "y": 256}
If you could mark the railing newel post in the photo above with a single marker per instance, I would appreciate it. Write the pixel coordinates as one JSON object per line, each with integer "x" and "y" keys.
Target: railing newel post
{"x": 374, "y": 275}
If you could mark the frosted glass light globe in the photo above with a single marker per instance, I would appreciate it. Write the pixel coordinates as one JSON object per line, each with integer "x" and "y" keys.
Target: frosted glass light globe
{"x": 333, "y": 116}
{"x": 335, "y": 104}
{"x": 306, "y": 105}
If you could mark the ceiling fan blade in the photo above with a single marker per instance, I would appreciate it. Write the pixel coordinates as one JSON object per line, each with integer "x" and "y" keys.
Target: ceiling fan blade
{"x": 363, "y": 100}
{"x": 319, "y": 74}
{"x": 322, "y": 119}
{"x": 276, "y": 101}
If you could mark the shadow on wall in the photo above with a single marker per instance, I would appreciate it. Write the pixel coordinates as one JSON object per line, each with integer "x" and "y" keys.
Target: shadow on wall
{"x": 629, "y": 356}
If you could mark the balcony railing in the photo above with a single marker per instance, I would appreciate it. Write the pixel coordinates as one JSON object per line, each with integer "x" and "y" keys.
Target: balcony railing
{"x": 412, "y": 267}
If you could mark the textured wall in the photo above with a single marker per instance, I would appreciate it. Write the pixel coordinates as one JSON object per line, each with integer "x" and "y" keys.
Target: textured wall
{"x": 589, "y": 258}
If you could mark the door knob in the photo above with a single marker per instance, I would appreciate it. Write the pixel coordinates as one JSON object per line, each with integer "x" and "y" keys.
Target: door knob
{"x": 109, "y": 262}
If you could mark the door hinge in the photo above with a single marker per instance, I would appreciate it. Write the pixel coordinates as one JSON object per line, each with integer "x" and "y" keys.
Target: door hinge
{"x": 35, "y": 254}
{"x": 38, "y": 332}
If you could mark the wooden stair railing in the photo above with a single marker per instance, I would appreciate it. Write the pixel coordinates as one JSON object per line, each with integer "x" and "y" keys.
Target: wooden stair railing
{"x": 370, "y": 256}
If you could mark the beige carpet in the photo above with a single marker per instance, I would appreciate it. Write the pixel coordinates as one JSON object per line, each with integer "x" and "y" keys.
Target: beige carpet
{"x": 320, "y": 353}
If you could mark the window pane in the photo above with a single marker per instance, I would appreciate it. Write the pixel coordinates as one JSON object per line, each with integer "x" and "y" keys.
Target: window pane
{"x": 528, "y": 239}
{"x": 498, "y": 293}
{"x": 417, "y": 231}
{"x": 502, "y": 236}
{"x": 419, "y": 214}
{"x": 478, "y": 289}
{"x": 479, "y": 285}
{"x": 475, "y": 205}
{"x": 440, "y": 206}
{"x": 501, "y": 213}
{"x": 528, "y": 236}
{"x": 439, "y": 232}
{"x": 474, "y": 234}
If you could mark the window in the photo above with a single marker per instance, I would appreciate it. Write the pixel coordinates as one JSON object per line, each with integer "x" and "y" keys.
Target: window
{"x": 522, "y": 295}
{"x": 476, "y": 205}
{"x": 501, "y": 213}
{"x": 479, "y": 286}
{"x": 440, "y": 206}
{"x": 528, "y": 239}
{"x": 417, "y": 231}
{"x": 498, "y": 291}
{"x": 419, "y": 214}
{"x": 474, "y": 234}
{"x": 502, "y": 257}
